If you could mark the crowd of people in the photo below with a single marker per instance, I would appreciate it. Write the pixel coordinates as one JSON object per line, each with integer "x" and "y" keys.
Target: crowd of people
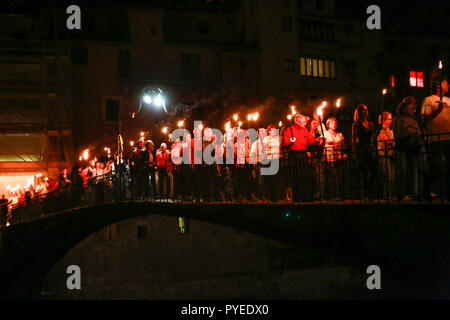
{"x": 404, "y": 157}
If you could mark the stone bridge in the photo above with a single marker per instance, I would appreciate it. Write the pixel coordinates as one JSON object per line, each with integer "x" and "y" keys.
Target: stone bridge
{"x": 410, "y": 242}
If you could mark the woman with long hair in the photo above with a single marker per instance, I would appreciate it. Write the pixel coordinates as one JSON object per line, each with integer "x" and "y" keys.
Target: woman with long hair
{"x": 364, "y": 151}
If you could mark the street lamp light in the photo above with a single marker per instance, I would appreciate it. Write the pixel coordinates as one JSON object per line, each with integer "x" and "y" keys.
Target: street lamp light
{"x": 152, "y": 96}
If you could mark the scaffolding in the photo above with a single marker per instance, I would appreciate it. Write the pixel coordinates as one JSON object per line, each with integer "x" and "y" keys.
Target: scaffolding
{"x": 35, "y": 107}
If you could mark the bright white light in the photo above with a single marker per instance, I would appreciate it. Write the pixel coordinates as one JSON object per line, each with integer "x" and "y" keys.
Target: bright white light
{"x": 255, "y": 116}
{"x": 159, "y": 101}
{"x": 240, "y": 123}
{"x": 164, "y": 130}
{"x": 180, "y": 123}
{"x": 86, "y": 154}
{"x": 280, "y": 124}
{"x": 147, "y": 98}
{"x": 235, "y": 117}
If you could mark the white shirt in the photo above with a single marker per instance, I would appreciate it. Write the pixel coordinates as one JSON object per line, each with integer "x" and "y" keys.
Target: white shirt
{"x": 272, "y": 147}
{"x": 440, "y": 124}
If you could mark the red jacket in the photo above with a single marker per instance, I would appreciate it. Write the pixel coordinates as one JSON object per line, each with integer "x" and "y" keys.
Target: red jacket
{"x": 303, "y": 138}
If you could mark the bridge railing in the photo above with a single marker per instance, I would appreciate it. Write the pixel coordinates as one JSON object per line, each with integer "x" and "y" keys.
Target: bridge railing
{"x": 415, "y": 169}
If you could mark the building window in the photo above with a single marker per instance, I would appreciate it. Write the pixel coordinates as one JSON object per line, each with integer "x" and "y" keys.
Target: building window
{"x": 416, "y": 79}
{"x": 317, "y": 67}
{"x": 317, "y": 31}
{"x": 79, "y": 56}
{"x": 290, "y": 65}
{"x": 112, "y": 108}
{"x": 142, "y": 231}
{"x": 286, "y": 24}
{"x": 124, "y": 65}
{"x": 202, "y": 26}
{"x": 319, "y": 5}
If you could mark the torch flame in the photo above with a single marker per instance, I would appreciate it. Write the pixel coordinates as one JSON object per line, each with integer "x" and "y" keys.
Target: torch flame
{"x": 235, "y": 117}
{"x": 131, "y": 143}
{"x": 227, "y": 126}
{"x": 164, "y": 130}
{"x": 338, "y": 102}
{"x": 255, "y": 116}
{"x": 240, "y": 123}
{"x": 440, "y": 64}
{"x": 86, "y": 154}
{"x": 384, "y": 91}
{"x": 249, "y": 117}
{"x": 280, "y": 124}
{"x": 180, "y": 123}
{"x": 289, "y": 117}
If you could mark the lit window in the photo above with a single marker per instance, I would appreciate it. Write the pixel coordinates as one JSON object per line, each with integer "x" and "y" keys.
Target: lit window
{"x": 317, "y": 67}
{"x": 416, "y": 79}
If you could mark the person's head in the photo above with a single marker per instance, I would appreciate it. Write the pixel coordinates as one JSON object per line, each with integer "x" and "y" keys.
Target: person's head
{"x": 163, "y": 147}
{"x": 300, "y": 120}
{"x": 436, "y": 84}
{"x": 271, "y": 130}
{"x": 361, "y": 113}
{"x": 385, "y": 119}
{"x": 197, "y": 133}
{"x": 332, "y": 123}
{"x": 149, "y": 144}
{"x": 3, "y": 196}
{"x": 187, "y": 137}
{"x": 207, "y": 133}
{"x": 261, "y": 133}
{"x": 407, "y": 107}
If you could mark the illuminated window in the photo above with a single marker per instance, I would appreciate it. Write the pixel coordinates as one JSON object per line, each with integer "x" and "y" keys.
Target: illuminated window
{"x": 317, "y": 67}
{"x": 416, "y": 79}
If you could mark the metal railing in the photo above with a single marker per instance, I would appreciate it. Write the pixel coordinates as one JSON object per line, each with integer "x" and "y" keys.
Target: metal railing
{"x": 414, "y": 169}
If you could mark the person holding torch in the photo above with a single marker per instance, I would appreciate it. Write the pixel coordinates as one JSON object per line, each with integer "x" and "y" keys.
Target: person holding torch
{"x": 297, "y": 140}
{"x": 436, "y": 115}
